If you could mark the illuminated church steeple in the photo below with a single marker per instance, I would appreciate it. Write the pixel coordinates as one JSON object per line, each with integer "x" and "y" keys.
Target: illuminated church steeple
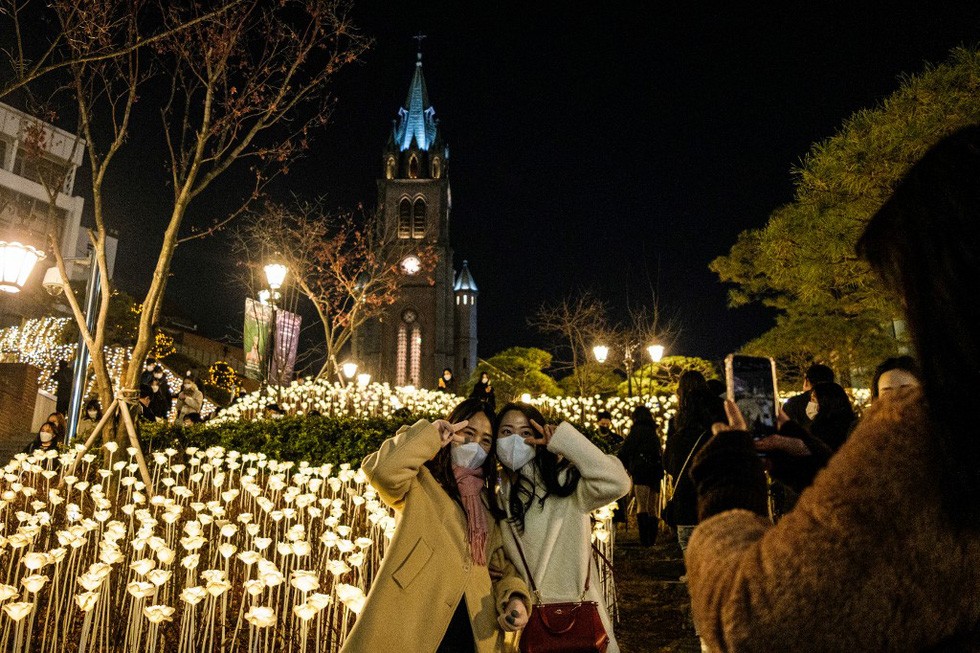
{"x": 432, "y": 323}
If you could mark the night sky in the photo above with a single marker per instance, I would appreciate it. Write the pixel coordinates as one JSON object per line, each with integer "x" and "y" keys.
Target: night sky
{"x": 619, "y": 148}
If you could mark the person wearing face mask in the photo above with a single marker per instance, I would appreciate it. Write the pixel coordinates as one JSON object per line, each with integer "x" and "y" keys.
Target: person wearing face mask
{"x": 796, "y": 406}
{"x": 484, "y": 391}
{"x": 90, "y": 417}
{"x": 48, "y": 439}
{"x": 447, "y": 382}
{"x": 554, "y": 477}
{"x": 161, "y": 400}
{"x": 190, "y": 399}
{"x": 445, "y": 583}
{"x": 149, "y": 369}
{"x": 831, "y": 414}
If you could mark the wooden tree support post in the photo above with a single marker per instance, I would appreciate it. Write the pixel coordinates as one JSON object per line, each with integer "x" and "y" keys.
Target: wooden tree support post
{"x": 119, "y": 404}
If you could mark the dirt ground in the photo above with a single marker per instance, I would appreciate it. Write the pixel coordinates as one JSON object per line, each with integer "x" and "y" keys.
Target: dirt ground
{"x": 654, "y": 608}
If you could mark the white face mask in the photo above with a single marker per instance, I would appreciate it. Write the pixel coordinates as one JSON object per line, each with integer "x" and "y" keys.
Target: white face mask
{"x": 470, "y": 455}
{"x": 812, "y": 409}
{"x": 513, "y": 452}
{"x": 46, "y": 436}
{"x": 93, "y": 414}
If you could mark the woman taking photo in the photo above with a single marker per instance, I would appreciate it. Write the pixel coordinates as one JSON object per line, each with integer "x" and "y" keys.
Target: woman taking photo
{"x": 553, "y": 479}
{"x": 433, "y": 592}
{"x": 643, "y": 459}
{"x": 882, "y": 553}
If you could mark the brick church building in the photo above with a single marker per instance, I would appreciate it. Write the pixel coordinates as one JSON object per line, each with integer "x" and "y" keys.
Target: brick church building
{"x": 431, "y": 326}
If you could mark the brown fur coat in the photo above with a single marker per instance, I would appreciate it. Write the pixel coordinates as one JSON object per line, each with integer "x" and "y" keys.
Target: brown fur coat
{"x": 866, "y": 561}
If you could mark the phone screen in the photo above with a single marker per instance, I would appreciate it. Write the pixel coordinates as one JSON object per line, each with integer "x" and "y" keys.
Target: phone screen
{"x": 752, "y": 386}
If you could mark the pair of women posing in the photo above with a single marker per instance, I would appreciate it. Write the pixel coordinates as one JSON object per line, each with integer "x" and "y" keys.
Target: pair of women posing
{"x": 449, "y": 582}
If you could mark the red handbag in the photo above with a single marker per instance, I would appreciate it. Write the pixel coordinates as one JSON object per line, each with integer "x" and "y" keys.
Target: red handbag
{"x": 574, "y": 627}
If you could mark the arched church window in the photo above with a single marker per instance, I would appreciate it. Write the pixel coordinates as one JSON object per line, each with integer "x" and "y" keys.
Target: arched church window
{"x": 405, "y": 219}
{"x": 401, "y": 354}
{"x": 413, "y": 166}
{"x": 390, "y": 168}
{"x": 418, "y": 219}
{"x": 436, "y": 168}
{"x": 408, "y": 365}
{"x": 415, "y": 362}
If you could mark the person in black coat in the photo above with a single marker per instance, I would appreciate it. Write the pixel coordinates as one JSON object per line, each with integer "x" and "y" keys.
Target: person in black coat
{"x": 689, "y": 430}
{"x": 796, "y": 405}
{"x": 484, "y": 391}
{"x": 63, "y": 384}
{"x": 643, "y": 459}
{"x": 835, "y": 416}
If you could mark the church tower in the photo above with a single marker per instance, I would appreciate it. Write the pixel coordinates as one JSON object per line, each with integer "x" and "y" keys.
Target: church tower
{"x": 418, "y": 336}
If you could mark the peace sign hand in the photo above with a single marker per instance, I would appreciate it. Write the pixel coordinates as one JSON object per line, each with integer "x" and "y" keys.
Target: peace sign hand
{"x": 450, "y": 432}
{"x": 546, "y": 431}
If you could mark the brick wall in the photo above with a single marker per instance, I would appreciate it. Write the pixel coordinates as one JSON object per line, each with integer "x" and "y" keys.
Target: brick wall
{"x": 18, "y": 393}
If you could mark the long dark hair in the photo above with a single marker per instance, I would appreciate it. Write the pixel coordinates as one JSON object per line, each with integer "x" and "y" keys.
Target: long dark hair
{"x": 547, "y": 467}
{"x": 441, "y": 466}
{"x": 836, "y": 415}
{"x": 697, "y": 406}
{"x": 923, "y": 242}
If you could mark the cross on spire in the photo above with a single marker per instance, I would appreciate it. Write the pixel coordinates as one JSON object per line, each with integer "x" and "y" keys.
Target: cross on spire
{"x": 420, "y": 37}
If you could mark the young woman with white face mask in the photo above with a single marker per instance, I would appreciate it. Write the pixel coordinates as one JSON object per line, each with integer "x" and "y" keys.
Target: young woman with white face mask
{"x": 445, "y": 584}
{"x": 553, "y": 478}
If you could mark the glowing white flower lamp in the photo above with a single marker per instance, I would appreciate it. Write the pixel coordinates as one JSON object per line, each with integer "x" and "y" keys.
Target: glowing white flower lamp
{"x": 656, "y": 353}
{"x": 601, "y": 353}
{"x": 363, "y": 380}
{"x": 526, "y": 398}
{"x": 17, "y": 261}
{"x": 349, "y": 368}
{"x": 275, "y": 274}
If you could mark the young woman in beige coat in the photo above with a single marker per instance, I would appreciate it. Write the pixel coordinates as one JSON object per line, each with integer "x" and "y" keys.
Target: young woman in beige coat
{"x": 433, "y": 592}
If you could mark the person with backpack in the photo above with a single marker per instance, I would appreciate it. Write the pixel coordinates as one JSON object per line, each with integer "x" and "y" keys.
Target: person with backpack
{"x": 643, "y": 460}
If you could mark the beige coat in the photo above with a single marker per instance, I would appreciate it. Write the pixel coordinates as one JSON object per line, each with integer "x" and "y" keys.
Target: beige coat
{"x": 428, "y": 568}
{"x": 866, "y": 561}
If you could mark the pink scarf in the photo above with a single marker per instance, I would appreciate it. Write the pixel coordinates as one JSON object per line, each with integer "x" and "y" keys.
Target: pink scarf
{"x": 470, "y": 483}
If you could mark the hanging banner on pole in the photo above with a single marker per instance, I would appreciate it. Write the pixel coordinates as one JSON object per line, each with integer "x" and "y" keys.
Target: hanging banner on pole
{"x": 285, "y": 346}
{"x": 255, "y": 341}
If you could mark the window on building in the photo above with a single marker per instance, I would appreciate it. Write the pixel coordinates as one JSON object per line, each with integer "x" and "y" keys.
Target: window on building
{"x": 402, "y": 354}
{"x": 436, "y": 168}
{"x": 418, "y": 219}
{"x": 405, "y": 219}
{"x": 416, "y": 355}
{"x": 413, "y": 167}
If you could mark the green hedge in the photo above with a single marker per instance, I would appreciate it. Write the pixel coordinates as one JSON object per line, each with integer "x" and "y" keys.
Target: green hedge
{"x": 318, "y": 439}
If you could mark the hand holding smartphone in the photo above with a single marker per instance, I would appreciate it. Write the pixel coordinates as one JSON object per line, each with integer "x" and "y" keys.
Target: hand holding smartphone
{"x": 751, "y": 382}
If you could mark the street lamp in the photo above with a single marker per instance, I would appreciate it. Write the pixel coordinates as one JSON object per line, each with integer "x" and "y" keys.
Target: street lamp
{"x": 275, "y": 274}
{"x": 16, "y": 263}
{"x": 656, "y": 353}
{"x": 363, "y": 380}
{"x": 350, "y": 369}
{"x": 601, "y": 353}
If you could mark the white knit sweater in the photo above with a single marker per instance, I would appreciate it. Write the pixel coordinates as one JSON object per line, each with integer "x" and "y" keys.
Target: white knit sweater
{"x": 557, "y": 537}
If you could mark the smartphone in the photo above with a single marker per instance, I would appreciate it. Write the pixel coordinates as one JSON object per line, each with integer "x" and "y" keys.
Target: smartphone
{"x": 751, "y": 384}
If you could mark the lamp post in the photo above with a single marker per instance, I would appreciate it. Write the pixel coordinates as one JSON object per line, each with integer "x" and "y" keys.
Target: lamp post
{"x": 275, "y": 276}
{"x": 601, "y": 353}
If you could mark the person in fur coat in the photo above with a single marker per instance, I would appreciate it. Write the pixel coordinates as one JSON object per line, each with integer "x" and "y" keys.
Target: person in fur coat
{"x": 433, "y": 592}
{"x": 882, "y": 552}
{"x": 554, "y": 477}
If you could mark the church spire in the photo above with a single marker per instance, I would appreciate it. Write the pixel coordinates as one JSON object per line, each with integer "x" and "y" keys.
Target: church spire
{"x": 417, "y": 121}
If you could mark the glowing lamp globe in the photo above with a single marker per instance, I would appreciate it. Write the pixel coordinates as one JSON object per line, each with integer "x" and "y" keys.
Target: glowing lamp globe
{"x": 350, "y": 369}
{"x": 656, "y": 352}
{"x": 16, "y": 263}
{"x": 363, "y": 380}
{"x": 275, "y": 274}
{"x": 601, "y": 353}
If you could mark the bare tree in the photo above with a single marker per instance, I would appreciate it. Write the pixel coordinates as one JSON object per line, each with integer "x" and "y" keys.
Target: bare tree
{"x": 343, "y": 262}
{"x": 248, "y": 85}
{"x": 578, "y": 322}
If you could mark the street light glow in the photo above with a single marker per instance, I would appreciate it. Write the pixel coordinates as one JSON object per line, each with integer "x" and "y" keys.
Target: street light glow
{"x": 350, "y": 369}
{"x": 656, "y": 352}
{"x": 16, "y": 263}
{"x": 363, "y": 380}
{"x": 275, "y": 274}
{"x": 601, "y": 353}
